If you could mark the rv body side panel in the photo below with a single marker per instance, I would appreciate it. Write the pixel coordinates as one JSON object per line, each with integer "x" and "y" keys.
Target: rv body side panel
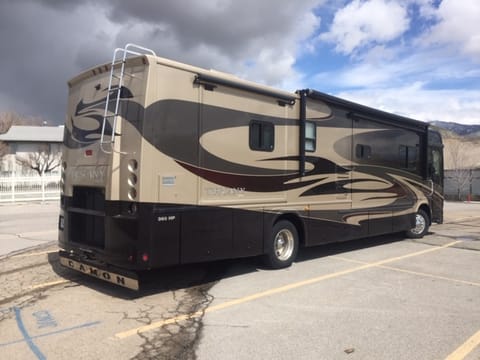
{"x": 196, "y": 148}
{"x": 379, "y": 171}
{"x": 203, "y": 170}
{"x": 387, "y": 159}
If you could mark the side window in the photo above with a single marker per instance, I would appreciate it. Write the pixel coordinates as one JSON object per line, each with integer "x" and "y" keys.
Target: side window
{"x": 261, "y": 136}
{"x": 363, "y": 151}
{"x": 435, "y": 168}
{"x": 310, "y": 136}
{"x": 408, "y": 157}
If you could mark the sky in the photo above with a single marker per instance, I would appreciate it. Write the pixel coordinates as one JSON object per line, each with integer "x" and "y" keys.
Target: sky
{"x": 416, "y": 58}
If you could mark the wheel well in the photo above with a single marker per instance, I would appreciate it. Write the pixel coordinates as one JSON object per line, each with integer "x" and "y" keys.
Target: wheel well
{"x": 426, "y": 208}
{"x": 297, "y": 222}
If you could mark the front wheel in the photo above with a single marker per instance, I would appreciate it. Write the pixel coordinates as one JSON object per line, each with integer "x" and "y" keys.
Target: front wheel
{"x": 283, "y": 245}
{"x": 422, "y": 223}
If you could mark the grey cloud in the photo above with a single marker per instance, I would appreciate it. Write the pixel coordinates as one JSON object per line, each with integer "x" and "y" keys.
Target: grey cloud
{"x": 227, "y": 25}
{"x": 40, "y": 52}
{"x": 46, "y": 42}
{"x": 58, "y": 5}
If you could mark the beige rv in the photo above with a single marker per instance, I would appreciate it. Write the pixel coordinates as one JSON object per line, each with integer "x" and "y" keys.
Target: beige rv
{"x": 166, "y": 163}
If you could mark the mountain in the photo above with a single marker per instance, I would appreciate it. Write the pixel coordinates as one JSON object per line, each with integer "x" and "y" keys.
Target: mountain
{"x": 468, "y": 131}
{"x": 461, "y": 144}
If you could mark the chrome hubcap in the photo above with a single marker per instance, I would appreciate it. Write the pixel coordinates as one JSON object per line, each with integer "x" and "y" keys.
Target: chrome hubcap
{"x": 420, "y": 224}
{"x": 284, "y": 244}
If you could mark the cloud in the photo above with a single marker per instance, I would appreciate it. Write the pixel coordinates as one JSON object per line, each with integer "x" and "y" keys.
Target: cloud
{"x": 427, "y": 85}
{"x": 46, "y": 42}
{"x": 40, "y": 51}
{"x": 425, "y": 64}
{"x": 456, "y": 27}
{"x": 247, "y": 38}
{"x": 231, "y": 26}
{"x": 379, "y": 45}
{"x": 429, "y": 66}
{"x": 415, "y": 101}
{"x": 364, "y": 23}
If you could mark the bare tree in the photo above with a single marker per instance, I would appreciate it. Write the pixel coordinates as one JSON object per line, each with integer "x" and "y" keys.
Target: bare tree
{"x": 5, "y": 124}
{"x": 457, "y": 155}
{"x": 42, "y": 161}
{"x": 4, "y": 148}
{"x": 10, "y": 118}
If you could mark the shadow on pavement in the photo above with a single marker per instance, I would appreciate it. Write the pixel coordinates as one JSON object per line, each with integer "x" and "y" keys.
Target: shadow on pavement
{"x": 206, "y": 275}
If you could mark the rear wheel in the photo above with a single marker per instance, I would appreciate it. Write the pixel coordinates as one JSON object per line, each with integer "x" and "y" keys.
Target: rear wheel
{"x": 422, "y": 223}
{"x": 283, "y": 245}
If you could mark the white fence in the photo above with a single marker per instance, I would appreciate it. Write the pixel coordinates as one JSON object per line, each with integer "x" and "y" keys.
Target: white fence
{"x": 29, "y": 188}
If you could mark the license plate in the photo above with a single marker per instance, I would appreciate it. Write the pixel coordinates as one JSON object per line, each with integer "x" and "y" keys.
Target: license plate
{"x": 102, "y": 274}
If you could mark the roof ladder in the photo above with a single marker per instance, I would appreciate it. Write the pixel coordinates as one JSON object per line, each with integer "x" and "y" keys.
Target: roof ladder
{"x": 114, "y": 91}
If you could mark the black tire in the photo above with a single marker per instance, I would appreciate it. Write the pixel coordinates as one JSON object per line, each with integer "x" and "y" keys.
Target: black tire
{"x": 282, "y": 245}
{"x": 422, "y": 222}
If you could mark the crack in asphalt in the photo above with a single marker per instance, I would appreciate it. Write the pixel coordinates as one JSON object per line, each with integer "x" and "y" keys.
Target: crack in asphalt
{"x": 26, "y": 267}
{"x": 8, "y": 313}
{"x": 34, "y": 292}
{"x": 144, "y": 315}
{"x": 180, "y": 339}
{"x": 17, "y": 282}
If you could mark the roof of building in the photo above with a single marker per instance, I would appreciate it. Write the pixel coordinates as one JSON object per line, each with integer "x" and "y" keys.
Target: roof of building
{"x": 33, "y": 134}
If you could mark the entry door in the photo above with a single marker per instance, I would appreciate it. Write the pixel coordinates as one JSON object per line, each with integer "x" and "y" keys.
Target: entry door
{"x": 330, "y": 215}
{"x": 370, "y": 184}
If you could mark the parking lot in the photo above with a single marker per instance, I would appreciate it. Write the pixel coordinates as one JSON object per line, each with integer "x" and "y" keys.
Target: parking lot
{"x": 377, "y": 298}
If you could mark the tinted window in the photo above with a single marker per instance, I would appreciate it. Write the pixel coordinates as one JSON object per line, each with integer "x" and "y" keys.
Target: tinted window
{"x": 363, "y": 151}
{"x": 261, "y": 136}
{"x": 408, "y": 157}
{"x": 310, "y": 136}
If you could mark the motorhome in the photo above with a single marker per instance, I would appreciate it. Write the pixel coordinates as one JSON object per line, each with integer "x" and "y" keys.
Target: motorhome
{"x": 166, "y": 163}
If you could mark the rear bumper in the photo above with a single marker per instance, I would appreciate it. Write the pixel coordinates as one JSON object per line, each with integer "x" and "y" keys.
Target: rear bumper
{"x": 111, "y": 274}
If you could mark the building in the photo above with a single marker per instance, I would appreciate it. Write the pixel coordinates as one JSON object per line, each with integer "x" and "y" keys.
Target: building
{"x": 28, "y": 146}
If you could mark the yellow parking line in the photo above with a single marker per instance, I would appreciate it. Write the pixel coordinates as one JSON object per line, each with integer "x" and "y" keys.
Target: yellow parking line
{"x": 462, "y": 219}
{"x": 466, "y": 348}
{"x": 48, "y": 284}
{"x": 348, "y": 260}
{"x": 278, "y": 290}
{"x": 410, "y": 271}
{"x": 35, "y": 254}
{"x": 432, "y": 276}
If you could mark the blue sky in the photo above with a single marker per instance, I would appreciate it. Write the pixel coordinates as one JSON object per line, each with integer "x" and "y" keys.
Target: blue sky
{"x": 418, "y": 58}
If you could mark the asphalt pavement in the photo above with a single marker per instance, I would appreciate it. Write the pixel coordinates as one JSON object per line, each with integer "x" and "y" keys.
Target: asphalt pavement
{"x": 376, "y": 298}
{"x": 27, "y": 225}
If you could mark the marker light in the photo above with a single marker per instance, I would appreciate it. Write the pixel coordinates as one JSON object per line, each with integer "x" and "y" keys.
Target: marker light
{"x": 132, "y": 194}
{"x": 132, "y": 165}
{"x": 132, "y": 179}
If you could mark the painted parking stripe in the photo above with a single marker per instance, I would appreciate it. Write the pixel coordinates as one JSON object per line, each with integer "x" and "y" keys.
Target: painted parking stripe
{"x": 26, "y": 336}
{"x": 439, "y": 277}
{"x": 466, "y": 348}
{"x": 36, "y": 254}
{"x": 278, "y": 290}
{"x": 48, "y": 284}
{"x": 81, "y": 326}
